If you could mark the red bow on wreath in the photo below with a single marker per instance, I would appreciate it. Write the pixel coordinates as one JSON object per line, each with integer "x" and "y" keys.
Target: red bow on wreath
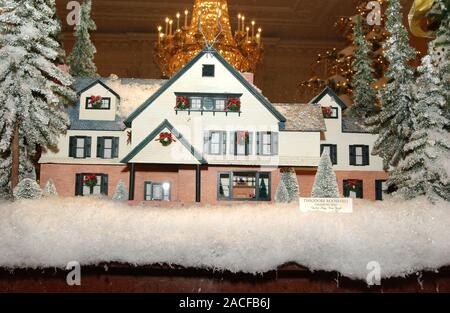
{"x": 233, "y": 104}
{"x": 90, "y": 180}
{"x": 166, "y": 138}
{"x": 352, "y": 184}
{"x": 182, "y": 103}
{"x": 95, "y": 101}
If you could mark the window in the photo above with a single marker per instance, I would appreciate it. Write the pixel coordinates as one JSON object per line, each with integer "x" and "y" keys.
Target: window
{"x": 353, "y": 188}
{"x": 380, "y": 189}
{"x": 359, "y": 155}
{"x": 332, "y": 152}
{"x": 215, "y": 142}
{"x": 330, "y": 112}
{"x": 267, "y": 143}
{"x": 220, "y": 104}
{"x": 196, "y": 103}
{"x": 108, "y": 147}
{"x": 91, "y": 184}
{"x": 155, "y": 191}
{"x": 79, "y": 147}
{"x": 242, "y": 143}
{"x": 101, "y": 104}
{"x": 208, "y": 104}
{"x": 244, "y": 186}
{"x": 208, "y": 70}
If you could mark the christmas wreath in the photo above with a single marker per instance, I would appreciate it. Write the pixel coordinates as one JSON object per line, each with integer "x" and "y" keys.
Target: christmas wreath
{"x": 233, "y": 104}
{"x": 90, "y": 180}
{"x": 327, "y": 111}
{"x": 182, "y": 103}
{"x": 352, "y": 184}
{"x": 165, "y": 139}
{"x": 95, "y": 102}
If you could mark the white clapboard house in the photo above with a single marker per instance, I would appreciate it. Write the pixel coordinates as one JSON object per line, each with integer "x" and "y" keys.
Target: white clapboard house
{"x": 205, "y": 135}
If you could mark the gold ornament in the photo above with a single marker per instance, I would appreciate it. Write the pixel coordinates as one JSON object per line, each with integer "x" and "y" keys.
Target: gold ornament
{"x": 416, "y": 16}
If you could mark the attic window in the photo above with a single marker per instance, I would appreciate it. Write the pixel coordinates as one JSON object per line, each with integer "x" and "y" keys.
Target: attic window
{"x": 98, "y": 103}
{"x": 208, "y": 70}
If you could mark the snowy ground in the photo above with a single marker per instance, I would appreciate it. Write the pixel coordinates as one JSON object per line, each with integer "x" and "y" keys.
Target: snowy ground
{"x": 404, "y": 237}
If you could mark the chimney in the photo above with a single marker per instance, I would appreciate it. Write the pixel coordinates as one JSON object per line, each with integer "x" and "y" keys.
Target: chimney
{"x": 249, "y": 77}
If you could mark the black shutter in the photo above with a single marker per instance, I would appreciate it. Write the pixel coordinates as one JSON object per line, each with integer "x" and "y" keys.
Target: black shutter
{"x": 378, "y": 190}
{"x": 223, "y": 138}
{"x": 249, "y": 146}
{"x": 79, "y": 185}
{"x": 321, "y": 149}
{"x": 346, "y": 190}
{"x": 206, "y": 138}
{"x": 233, "y": 143}
{"x": 72, "y": 147}
{"x": 115, "y": 152}
{"x": 104, "y": 184}
{"x": 274, "y": 137}
{"x": 258, "y": 143}
{"x": 359, "y": 192}
{"x": 365, "y": 151}
{"x": 100, "y": 147}
{"x": 87, "y": 147}
{"x": 333, "y": 154}
{"x": 352, "y": 155}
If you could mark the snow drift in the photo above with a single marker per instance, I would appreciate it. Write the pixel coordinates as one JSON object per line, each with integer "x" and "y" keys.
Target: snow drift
{"x": 403, "y": 237}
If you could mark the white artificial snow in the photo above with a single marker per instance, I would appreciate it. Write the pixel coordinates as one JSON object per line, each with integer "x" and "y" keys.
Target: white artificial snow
{"x": 402, "y": 236}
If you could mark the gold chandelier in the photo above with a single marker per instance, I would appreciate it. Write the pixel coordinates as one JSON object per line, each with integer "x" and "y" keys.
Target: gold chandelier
{"x": 210, "y": 25}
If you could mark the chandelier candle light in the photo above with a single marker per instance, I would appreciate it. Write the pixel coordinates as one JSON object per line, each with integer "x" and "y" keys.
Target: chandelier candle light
{"x": 210, "y": 23}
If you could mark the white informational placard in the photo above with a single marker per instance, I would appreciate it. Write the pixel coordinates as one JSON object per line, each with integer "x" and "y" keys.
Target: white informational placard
{"x": 329, "y": 205}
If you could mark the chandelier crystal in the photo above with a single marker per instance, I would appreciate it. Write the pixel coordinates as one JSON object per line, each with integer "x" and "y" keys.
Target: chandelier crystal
{"x": 178, "y": 42}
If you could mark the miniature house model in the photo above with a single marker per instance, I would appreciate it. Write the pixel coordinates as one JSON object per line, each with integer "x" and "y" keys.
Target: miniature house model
{"x": 205, "y": 135}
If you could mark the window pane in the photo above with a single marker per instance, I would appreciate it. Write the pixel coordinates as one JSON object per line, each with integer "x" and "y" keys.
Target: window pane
{"x": 86, "y": 190}
{"x": 224, "y": 185}
{"x": 334, "y": 112}
{"x": 107, "y": 153}
{"x": 220, "y": 104}
{"x": 359, "y": 151}
{"x": 80, "y": 143}
{"x": 208, "y": 104}
{"x": 80, "y": 153}
{"x": 148, "y": 192}
{"x": 108, "y": 143}
{"x": 352, "y": 194}
{"x": 166, "y": 191}
{"x": 244, "y": 185}
{"x": 359, "y": 160}
{"x": 196, "y": 103}
{"x": 105, "y": 103}
{"x": 157, "y": 192}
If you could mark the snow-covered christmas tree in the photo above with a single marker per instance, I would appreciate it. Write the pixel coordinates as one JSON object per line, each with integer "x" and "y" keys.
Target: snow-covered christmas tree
{"x": 425, "y": 169}
{"x": 289, "y": 178}
{"x": 81, "y": 59}
{"x": 50, "y": 189}
{"x": 281, "y": 194}
{"x": 394, "y": 123}
{"x": 33, "y": 90}
{"x": 120, "y": 193}
{"x": 325, "y": 183}
{"x": 364, "y": 95}
{"x": 27, "y": 189}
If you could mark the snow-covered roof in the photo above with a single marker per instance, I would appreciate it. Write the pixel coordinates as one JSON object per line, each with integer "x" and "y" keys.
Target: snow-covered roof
{"x": 302, "y": 117}
{"x": 353, "y": 125}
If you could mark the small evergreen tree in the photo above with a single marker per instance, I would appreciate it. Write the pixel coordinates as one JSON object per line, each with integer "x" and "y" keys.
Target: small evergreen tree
{"x": 121, "y": 193}
{"x": 27, "y": 189}
{"x": 425, "y": 169}
{"x": 263, "y": 190}
{"x": 394, "y": 123}
{"x": 364, "y": 95}
{"x": 281, "y": 194}
{"x": 325, "y": 183}
{"x": 50, "y": 189}
{"x": 81, "y": 59}
{"x": 289, "y": 178}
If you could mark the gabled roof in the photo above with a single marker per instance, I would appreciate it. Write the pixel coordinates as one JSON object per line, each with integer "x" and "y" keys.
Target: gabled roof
{"x": 332, "y": 94}
{"x": 181, "y": 72}
{"x": 98, "y": 81}
{"x": 165, "y": 124}
{"x": 302, "y": 117}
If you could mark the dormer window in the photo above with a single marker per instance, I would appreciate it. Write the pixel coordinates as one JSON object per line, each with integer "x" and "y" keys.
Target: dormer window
{"x": 330, "y": 112}
{"x": 208, "y": 102}
{"x": 208, "y": 70}
{"x": 98, "y": 103}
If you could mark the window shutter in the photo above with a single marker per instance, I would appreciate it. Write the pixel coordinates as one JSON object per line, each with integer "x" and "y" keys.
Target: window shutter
{"x": 100, "y": 147}
{"x": 87, "y": 147}
{"x": 258, "y": 144}
{"x": 366, "y": 155}
{"x": 250, "y": 144}
{"x": 274, "y": 143}
{"x": 79, "y": 185}
{"x": 359, "y": 192}
{"x": 321, "y": 149}
{"x": 345, "y": 189}
{"x": 352, "y": 155}
{"x": 232, "y": 143}
{"x": 206, "y": 137}
{"x": 115, "y": 147}
{"x": 104, "y": 185}
{"x": 379, "y": 190}
{"x": 223, "y": 138}
{"x": 72, "y": 147}
{"x": 334, "y": 154}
